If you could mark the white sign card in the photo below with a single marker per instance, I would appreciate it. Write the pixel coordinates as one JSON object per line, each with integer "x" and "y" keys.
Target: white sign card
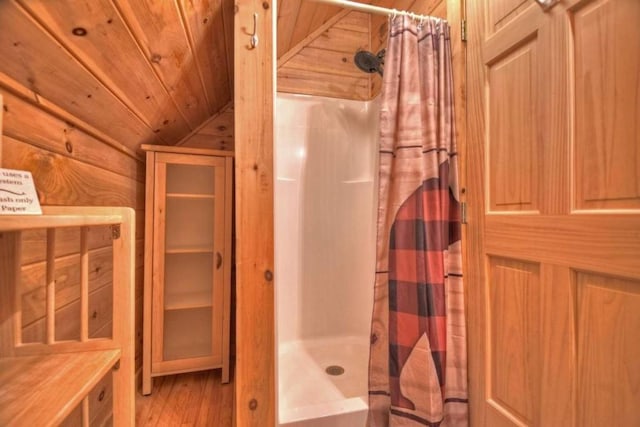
{"x": 18, "y": 193}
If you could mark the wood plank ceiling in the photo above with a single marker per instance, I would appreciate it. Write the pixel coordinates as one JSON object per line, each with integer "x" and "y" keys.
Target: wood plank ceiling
{"x": 143, "y": 71}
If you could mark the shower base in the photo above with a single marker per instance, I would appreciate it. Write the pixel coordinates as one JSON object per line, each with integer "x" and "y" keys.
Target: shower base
{"x": 309, "y": 396}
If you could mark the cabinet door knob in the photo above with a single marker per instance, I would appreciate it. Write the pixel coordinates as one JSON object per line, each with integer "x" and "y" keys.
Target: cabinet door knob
{"x": 218, "y": 260}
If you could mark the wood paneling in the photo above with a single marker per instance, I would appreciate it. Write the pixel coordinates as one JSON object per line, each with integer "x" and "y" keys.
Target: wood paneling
{"x": 27, "y": 122}
{"x": 204, "y": 20}
{"x": 216, "y": 133}
{"x": 125, "y": 72}
{"x": 501, "y": 11}
{"x": 31, "y": 97}
{"x": 297, "y": 19}
{"x": 607, "y": 157}
{"x": 67, "y": 318}
{"x": 67, "y": 242}
{"x": 60, "y": 179}
{"x": 160, "y": 69}
{"x": 513, "y": 183}
{"x": 159, "y": 30}
{"x": 570, "y": 330}
{"x": 157, "y": 69}
{"x": 513, "y": 312}
{"x": 309, "y": 82}
{"x": 608, "y": 350}
{"x": 322, "y": 64}
{"x": 228, "y": 10}
{"x": 287, "y": 16}
{"x": 101, "y": 401}
{"x": 67, "y": 276}
{"x": 26, "y": 51}
{"x": 71, "y": 166}
{"x": 255, "y": 384}
{"x": 325, "y": 65}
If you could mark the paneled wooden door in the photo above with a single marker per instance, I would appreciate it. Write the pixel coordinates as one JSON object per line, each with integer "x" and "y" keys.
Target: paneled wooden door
{"x": 554, "y": 212}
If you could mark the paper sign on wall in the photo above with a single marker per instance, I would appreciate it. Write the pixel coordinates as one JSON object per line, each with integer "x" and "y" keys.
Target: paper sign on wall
{"x": 18, "y": 193}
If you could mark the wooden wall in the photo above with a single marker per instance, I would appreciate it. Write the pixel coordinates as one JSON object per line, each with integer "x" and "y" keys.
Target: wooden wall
{"x": 323, "y": 63}
{"x": 216, "y": 133}
{"x": 72, "y": 165}
{"x": 141, "y": 71}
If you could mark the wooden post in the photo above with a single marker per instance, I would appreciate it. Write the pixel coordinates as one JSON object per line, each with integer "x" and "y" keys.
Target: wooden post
{"x": 147, "y": 382}
{"x": 9, "y": 280}
{"x": 84, "y": 284}
{"x": 254, "y": 93}
{"x": 124, "y": 396}
{"x": 51, "y": 286}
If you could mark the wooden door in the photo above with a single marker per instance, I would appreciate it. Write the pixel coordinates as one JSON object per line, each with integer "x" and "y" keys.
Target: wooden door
{"x": 554, "y": 205}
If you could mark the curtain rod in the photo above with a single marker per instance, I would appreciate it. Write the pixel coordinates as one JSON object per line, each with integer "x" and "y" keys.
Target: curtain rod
{"x": 368, "y": 8}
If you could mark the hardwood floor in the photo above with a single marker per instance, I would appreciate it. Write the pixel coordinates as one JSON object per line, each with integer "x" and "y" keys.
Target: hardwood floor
{"x": 195, "y": 399}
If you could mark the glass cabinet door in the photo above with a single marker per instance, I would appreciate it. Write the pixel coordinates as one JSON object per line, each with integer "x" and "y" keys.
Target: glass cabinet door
{"x": 188, "y": 226}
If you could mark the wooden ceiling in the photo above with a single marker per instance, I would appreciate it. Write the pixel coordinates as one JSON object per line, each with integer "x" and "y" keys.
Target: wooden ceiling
{"x": 299, "y": 18}
{"x": 139, "y": 71}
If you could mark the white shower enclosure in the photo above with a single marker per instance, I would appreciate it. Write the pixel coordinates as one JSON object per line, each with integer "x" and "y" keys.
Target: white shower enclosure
{"x": 325, "y": 210}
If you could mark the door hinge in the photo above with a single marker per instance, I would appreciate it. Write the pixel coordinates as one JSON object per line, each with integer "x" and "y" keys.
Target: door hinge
{"x": 463, "y": 30}
{"x": 463, "y": 212}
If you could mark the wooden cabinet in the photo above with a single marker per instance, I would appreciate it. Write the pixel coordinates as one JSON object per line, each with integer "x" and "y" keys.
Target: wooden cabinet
{"x": 88, "y": 380}
{"x": 187, "y": 261}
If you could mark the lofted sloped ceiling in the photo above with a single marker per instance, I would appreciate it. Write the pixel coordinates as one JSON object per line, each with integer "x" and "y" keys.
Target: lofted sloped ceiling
{"x": 141, "y": 71}
{"x": 297, "y": 19}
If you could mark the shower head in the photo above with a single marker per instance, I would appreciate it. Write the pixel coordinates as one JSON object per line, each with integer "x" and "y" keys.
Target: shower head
{"x": 368, "y": 62}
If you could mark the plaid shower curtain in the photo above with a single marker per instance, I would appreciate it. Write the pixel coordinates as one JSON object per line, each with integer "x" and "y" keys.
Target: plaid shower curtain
{"x": 418, "y": 362}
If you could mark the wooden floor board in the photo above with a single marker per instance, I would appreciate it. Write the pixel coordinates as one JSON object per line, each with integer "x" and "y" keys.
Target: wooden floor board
{"x": 196, "y": 399}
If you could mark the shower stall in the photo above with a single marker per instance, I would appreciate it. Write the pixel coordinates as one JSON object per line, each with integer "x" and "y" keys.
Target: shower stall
{"x": 325, "y": 210}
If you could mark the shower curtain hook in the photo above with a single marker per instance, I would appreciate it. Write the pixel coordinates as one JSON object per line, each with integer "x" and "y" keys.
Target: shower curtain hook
{"x": 394, "y": 14}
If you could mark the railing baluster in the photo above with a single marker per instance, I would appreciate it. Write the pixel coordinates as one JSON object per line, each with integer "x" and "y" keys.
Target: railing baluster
{"x": 85, "y": 411}
{"x": 51, "y": 285}
{"x": 84, "y": 284}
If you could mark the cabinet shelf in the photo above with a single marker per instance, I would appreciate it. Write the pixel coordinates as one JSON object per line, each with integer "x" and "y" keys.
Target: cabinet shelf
{"x": 189, "y": 250}
{"x": 43, "y": 390}
{"x": 190, "y": 196}
{"x": 187, "y": 300}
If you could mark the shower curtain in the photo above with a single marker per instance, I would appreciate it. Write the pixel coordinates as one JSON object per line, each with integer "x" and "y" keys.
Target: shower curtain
{"x": 418, "y": 361}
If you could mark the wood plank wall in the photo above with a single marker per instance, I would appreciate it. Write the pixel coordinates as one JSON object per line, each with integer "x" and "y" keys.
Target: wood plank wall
{"x": 216, "y": 133}
{"x": 71, "y": 166}
{"x": 159, "y": 68}
{"x": 324, "y": 65}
